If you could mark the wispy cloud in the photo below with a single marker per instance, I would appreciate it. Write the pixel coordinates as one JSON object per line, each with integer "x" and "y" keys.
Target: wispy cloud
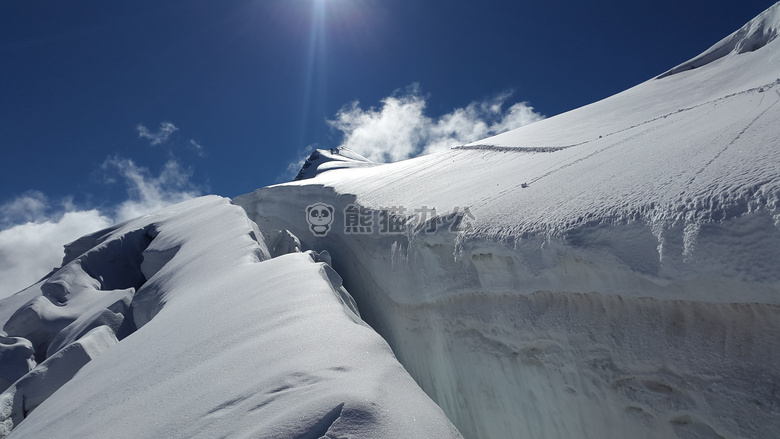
{"x": 161, "y": 136}
{"x": 26, "y": 208}
{"x": 33, "y": 228}
{"x": 173, "y": 144}
{"x": 399, "y": 128}
{"x": 195, "y": 146}
{"x": 147, "y": 193}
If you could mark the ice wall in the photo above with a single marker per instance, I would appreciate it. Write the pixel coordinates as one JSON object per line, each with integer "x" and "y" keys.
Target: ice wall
{"x": 564, "y": 337}
{"x": 618, "y": 276}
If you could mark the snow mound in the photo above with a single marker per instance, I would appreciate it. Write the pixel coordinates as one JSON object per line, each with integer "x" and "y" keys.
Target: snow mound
{"x": 322, "y": 160}
{"x": 226, "y": 341}
{"x": 756, "y": 34}
{"x": 93, "y": 289}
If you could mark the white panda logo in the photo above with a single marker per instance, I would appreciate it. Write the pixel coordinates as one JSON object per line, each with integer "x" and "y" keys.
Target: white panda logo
{"x": 319, "y": 216}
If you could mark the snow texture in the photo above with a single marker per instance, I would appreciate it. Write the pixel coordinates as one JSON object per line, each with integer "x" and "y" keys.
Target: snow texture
{"x": 226, "y": 341}
{"x": 40, "y": 383}
{"x": 337, "y": 158}
{"x": 17, "y": 357}
{"x": 616, "y": 272}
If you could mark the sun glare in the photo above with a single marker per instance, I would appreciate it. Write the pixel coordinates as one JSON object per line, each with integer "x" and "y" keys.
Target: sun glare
{"x": 346, "y": 25}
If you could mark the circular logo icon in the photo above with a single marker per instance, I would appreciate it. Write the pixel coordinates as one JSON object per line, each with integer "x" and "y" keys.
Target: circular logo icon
{"x": 319, "y": 216}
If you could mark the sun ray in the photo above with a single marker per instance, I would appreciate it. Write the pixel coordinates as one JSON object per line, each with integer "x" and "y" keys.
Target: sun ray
{"x": 315, "y": 63}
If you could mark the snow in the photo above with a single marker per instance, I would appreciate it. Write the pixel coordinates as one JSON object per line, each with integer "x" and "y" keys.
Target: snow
{"x": 610, "y": 272}
{"x": 29, "y": 251}
{"x": 324, "y": 160}
{"x": 40, "y": 383}
{"x": 616, "y": 274}
{"x": 228, "y": 341}
{"x": 17, "y": 356}
{"x": 754, "y": 35}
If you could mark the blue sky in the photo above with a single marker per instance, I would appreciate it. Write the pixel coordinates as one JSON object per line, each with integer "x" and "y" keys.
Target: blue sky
{"x": 119, "y": 107}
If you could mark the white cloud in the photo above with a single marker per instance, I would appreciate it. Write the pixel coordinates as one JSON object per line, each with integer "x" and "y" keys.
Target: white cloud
{"x": 158, "y": 138}
{"x": 23, "y": 209}
{"x": 147, "y": 193}
{"x": 33, "y": 229}
{"x": 399, "y": 128}
{"x": 197, "y": 147}
{"x": 393, "y": 132}
{"x": 29, "y": 251}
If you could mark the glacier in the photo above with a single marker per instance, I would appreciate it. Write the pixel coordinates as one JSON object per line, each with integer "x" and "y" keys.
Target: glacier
{"x": 610, "y": 272}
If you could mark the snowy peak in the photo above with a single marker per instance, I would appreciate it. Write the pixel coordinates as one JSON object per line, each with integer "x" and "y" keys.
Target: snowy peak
{"x": 742, "y": 65}
{"x": 756, "y": 34}
{"x": 322, "y": 160}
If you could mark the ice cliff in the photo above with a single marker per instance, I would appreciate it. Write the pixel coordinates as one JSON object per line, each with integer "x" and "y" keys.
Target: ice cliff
{"x": 610, "y": 272}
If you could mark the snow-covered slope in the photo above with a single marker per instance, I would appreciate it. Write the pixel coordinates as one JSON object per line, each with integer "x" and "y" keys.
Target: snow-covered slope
{"x": 610, "y": 272}
{"x": 217, "y": 340}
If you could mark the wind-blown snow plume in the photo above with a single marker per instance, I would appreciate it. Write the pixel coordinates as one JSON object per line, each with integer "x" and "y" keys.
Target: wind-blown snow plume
{"x": 400, "y": 129}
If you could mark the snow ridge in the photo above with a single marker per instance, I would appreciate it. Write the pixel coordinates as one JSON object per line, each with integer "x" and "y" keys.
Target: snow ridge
{"x": 756, "y": 34}
{"x": 229, "y": 342}
{"x": 336, "y": 158}
{"x": 495, "y": 148}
